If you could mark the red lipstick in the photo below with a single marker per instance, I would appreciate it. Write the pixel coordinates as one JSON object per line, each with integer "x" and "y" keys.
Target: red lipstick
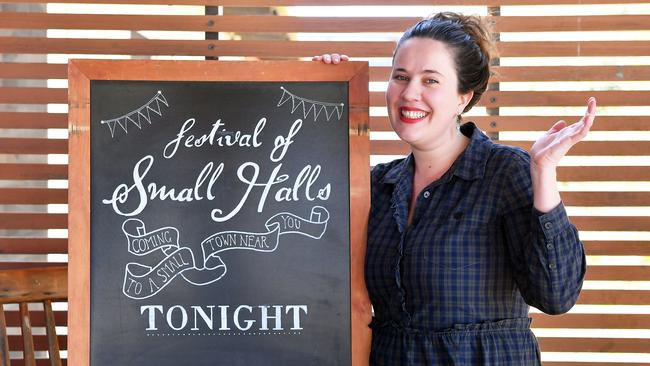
{"x": 414, "y": 115}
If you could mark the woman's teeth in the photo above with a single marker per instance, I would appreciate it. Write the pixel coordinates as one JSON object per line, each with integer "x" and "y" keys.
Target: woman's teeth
{"x": 413, "y": 114}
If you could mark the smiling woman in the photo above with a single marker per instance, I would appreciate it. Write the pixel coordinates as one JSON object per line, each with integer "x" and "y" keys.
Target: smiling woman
{"x": 423, "y": 99}
{"x": 463, "y": 234}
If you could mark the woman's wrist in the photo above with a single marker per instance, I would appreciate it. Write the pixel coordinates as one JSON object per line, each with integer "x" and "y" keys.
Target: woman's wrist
{"x": 546, "y": 195}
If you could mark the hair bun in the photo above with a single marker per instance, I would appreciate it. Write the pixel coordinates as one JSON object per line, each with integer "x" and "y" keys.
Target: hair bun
{"x": 476, "y": 27}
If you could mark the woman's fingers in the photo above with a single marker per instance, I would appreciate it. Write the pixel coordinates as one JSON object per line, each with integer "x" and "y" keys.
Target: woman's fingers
{"x": 584, "y": 125}
{"x": 590, "y": 114}
{"x": 337, "y": 58}
{"x": 552, "y": 146}
{"x": 333, "y": 58}
{"x": 325, "y": 58}
{"x": 556, "y": 127}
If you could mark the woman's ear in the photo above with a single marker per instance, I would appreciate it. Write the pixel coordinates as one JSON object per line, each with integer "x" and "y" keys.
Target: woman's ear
{"x": 463, "y": 100}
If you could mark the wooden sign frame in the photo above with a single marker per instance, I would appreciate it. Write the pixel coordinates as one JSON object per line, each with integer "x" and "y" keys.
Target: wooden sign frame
{"x": 82, "y": 72}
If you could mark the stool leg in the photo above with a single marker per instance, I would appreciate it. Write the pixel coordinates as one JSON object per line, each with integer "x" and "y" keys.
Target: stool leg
{"x": 28, "y": 341}
{"x": 4, "y": 340}
{"x": 52, "y": 340}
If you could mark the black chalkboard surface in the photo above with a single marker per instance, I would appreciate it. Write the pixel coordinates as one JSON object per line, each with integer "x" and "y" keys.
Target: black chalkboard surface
{"x": 219, "y": 223}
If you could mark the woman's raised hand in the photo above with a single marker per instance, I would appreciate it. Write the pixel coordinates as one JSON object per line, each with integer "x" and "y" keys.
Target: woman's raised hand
{"x": 556, "y": 142}
{"x": 333, "y": 58}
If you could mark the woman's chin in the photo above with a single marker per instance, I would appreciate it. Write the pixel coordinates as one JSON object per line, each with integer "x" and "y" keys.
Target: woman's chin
{"x": 408, "y": 137}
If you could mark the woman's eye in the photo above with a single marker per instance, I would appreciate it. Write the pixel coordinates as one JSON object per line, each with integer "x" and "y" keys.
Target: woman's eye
{"x": 400, "y": 77}
{"x": 431, "y": 81}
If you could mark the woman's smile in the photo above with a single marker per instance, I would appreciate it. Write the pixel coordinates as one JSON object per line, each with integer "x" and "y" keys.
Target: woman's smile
{"x": 412, "y": 115}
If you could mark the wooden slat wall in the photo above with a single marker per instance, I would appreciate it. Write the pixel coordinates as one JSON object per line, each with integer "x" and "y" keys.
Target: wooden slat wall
{"x": 619, "y": 271}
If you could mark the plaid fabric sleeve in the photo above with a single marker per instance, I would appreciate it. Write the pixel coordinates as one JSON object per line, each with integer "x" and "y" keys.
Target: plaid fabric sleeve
{"x": 545, "y": 251}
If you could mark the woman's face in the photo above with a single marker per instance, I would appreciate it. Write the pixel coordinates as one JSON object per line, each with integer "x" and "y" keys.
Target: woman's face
{"x": 422, "y": 95}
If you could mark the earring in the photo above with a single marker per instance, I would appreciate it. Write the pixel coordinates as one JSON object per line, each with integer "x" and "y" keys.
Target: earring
{"x": 458, "y": 120}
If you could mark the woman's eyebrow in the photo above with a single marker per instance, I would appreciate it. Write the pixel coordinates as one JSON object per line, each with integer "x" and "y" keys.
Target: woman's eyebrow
{"x": 427, "y": 71}
{"x": 432, "y": 72}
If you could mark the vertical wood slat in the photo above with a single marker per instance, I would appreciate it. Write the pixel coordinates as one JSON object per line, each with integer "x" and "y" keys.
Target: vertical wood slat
{"x": 79, "y": 217}
{"x": 4, "y": 340}
{"x": 359, "y": 145}
{"x": 52, "y": 339}
{"x": 494, "y": 110}
{"x": 28, "y": 341}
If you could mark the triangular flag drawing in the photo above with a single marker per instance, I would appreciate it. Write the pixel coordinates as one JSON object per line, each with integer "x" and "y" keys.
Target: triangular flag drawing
{"x": 123, "y": 125}
{"x": 137, "y": 116}
{"x": 137, "y": 123}
{"x": 308, "y": 110}
{"x": 296, "y": 104}
{"x": 285, "y": 96}
{"x": 311, "y": 106}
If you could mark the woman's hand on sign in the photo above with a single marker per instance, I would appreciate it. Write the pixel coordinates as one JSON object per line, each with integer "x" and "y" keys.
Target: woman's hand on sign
{"x": 331, "y": 58}
{"x": 556, "y": 142}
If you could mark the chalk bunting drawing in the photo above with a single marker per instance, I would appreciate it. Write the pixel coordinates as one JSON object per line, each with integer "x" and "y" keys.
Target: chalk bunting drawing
{"x": 136, "y": 117}
{"x": 312, "y": 107}
{"x": 171, "y": 260}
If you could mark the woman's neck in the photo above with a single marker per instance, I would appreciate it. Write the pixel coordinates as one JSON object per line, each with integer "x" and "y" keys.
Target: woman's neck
{"x": 433, "y": 162}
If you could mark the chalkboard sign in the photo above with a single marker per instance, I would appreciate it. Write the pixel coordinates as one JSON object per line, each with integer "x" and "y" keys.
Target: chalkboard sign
{"x": 212, "y": 218}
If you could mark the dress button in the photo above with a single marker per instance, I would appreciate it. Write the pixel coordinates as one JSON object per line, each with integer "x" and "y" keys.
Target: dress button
{"x": 426, "y": 194}
{"x": 552, "y": 266}
{"x": 548, "y": 225}
{"x": 549, "y": 246}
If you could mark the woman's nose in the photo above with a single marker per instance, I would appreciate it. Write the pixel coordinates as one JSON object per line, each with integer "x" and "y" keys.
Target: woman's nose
{"x": 411, "y": 91}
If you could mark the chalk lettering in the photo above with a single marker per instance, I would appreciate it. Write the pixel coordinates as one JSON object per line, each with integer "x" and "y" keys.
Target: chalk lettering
{"x": 122, "y": 193}
{"x": 148, "y": 243}
{"x": 207, "y": 319}
{"x": 249, "y": 173}
{"x": 170, "y": 316}
{"x": 151, "y": 314}
{"x": 244, "y": 317}
{"x": 283, "y": 143}
{"x": 168, "y": 270}
{"x": 226, "y": 139}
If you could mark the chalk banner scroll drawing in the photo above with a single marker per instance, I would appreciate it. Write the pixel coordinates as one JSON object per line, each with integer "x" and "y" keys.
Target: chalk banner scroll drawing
{"x": 233, "y": 200}
{"x": 143, "y": 281}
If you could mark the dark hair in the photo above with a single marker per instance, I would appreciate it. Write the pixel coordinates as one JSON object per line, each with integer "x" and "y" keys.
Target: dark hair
{"x": 468, "y": 38}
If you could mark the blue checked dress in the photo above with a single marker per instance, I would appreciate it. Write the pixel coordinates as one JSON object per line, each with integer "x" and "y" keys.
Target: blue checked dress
{"x": 454, "y": 287}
